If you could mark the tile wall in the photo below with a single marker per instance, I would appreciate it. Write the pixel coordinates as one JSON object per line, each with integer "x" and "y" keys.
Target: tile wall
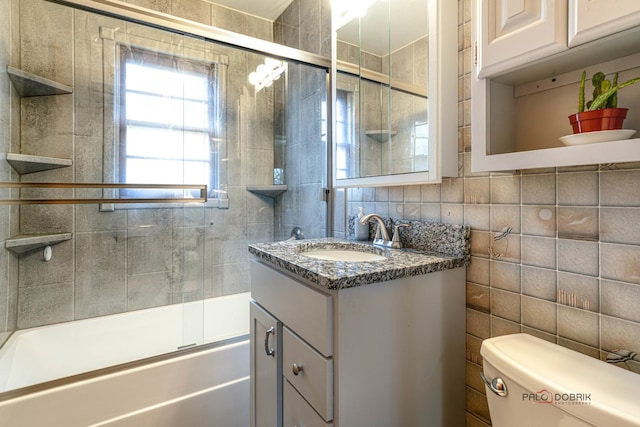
{"x": 305, "y": 25}
{"x": 210, "y": 13}
{"x": 555, "y": 252}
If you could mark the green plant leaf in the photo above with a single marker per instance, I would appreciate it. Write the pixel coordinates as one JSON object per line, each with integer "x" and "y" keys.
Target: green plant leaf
{"x": 612, "y": 102}
{"x": 599, "y": 102}
{"x": 596, "y": 81}
{"x": 581, "y": 94}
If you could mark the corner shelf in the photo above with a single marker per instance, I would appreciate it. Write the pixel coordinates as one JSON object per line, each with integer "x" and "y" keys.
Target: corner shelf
{"x": 27, "y": 242}
{"x": 28, "y": 84}
{"x": 380, "y": 135}
{"x": 267, "y": 190}
{"x": 25, "y": 163}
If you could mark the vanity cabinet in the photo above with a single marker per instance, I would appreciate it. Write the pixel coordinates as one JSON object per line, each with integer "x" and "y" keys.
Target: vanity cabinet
{"x": 381, "y": 354}
{"x": 522, "y": 92}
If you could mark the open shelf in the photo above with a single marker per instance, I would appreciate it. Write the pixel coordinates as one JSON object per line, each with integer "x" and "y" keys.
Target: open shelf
{"x": 24, "y": 163}
{"x": 267, "y": 190}
{"x": 518, "y": 126}
{"x": 28, "y": 84}
{"x": 27, "y": 242}
{"x": 590, "y": 154}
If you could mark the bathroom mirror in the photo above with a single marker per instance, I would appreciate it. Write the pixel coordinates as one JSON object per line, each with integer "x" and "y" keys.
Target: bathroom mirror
{"x": 394, "y": 92}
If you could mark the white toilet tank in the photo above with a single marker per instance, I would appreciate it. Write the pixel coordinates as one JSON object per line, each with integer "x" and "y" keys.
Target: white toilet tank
{"x": 548, "y": 385}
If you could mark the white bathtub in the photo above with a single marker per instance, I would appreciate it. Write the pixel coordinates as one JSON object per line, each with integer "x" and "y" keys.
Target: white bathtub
{"x": 187, "y": 390}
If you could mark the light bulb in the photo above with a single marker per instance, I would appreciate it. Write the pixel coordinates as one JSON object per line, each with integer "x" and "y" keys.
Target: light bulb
{"x": 253, "y": 78}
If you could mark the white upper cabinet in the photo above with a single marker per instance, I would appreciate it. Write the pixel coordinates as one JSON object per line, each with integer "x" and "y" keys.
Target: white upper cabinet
{"x": 526, "y": 77}
{"x": 516, "y": 32}
{"x": 593, "y": 19}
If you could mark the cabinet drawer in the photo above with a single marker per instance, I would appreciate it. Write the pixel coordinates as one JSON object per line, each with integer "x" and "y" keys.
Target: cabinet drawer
{"x": 306, "y": 311}
{"x": 314, "y": 378}
{"x": 297, "y": 412}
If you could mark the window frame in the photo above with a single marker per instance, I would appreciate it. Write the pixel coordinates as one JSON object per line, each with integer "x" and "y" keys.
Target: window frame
{"x": 173, "y": 63}
{"x": 348, "y": 122}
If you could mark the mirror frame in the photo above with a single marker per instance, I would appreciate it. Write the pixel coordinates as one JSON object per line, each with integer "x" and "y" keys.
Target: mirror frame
{"x": 442, "y": 101}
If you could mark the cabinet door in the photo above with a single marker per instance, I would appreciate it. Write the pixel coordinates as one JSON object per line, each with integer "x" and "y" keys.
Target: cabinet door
{"x": 266, "y": 368}
{"x": 512, "y": 33}
{"x": 594, "y": 19}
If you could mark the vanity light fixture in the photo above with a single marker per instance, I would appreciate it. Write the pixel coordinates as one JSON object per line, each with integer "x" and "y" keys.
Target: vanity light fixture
{"x": 265, "y": 74}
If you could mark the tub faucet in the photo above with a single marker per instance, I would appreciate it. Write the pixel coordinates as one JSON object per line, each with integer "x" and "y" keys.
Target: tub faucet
{"x": 296, "y": 234}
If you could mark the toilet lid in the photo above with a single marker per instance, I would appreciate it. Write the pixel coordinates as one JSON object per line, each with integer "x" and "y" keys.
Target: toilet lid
{"x": 588, "y": 388}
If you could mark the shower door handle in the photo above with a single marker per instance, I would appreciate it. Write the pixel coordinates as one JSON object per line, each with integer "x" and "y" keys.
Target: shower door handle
{"x": 267, "y": 349}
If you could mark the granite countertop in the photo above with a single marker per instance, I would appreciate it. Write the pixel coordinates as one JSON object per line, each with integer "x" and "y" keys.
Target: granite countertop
{"x": 400, "y": 263}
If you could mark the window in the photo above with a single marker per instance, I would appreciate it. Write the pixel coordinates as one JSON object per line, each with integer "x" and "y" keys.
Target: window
{"x": 420, "y": 145}
{"x": 169, "y": 126}
{"x": 345, "y": 128}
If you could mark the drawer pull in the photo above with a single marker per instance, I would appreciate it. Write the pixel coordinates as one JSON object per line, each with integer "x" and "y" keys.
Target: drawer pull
{"x": 296, "y": 369}
{"x": 267, "y": 349}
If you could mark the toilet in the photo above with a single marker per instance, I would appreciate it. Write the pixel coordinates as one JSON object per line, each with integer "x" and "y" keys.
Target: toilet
{"x": 534, "y": 383}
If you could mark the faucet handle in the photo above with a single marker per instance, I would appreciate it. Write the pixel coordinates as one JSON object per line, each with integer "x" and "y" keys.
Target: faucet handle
{"x": 395, "y": 240}
{"x": 378, "y": 235}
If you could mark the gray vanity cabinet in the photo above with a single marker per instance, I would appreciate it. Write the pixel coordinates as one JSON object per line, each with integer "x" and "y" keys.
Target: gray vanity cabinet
{"x": 382, "y": 354}
{"x": 306, "y": 365}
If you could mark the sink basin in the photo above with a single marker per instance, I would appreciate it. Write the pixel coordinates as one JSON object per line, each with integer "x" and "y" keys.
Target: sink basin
{"x": 343, "y": 255}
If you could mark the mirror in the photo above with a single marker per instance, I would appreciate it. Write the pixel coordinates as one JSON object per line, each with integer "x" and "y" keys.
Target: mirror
{"x": 389, "y": 59}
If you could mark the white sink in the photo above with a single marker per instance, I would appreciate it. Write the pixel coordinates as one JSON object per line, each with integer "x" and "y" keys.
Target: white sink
{"x": 343, "y": 255}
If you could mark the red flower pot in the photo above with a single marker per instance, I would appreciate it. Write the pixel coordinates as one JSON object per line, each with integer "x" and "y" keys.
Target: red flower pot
{"x": 590, "y": 121}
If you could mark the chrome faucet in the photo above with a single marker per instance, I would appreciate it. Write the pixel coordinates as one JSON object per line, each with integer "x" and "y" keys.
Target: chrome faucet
{"x": 381, "y": 237}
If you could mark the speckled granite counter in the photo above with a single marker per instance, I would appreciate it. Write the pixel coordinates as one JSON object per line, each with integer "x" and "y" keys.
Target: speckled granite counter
{"x": 289, "y": 255}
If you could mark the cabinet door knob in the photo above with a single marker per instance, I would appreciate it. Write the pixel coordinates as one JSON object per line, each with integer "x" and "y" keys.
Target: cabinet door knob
{"x": 296, "y": 369}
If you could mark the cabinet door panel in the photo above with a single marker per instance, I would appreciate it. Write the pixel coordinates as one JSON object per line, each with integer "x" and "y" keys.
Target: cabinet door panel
{"x": 266, "y": 371}
{"x": 594, "y": 19}
{"x": 512, "y": 33}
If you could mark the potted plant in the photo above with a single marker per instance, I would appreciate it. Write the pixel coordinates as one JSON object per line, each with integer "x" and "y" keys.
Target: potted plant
{"x": 602, "y": 112}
